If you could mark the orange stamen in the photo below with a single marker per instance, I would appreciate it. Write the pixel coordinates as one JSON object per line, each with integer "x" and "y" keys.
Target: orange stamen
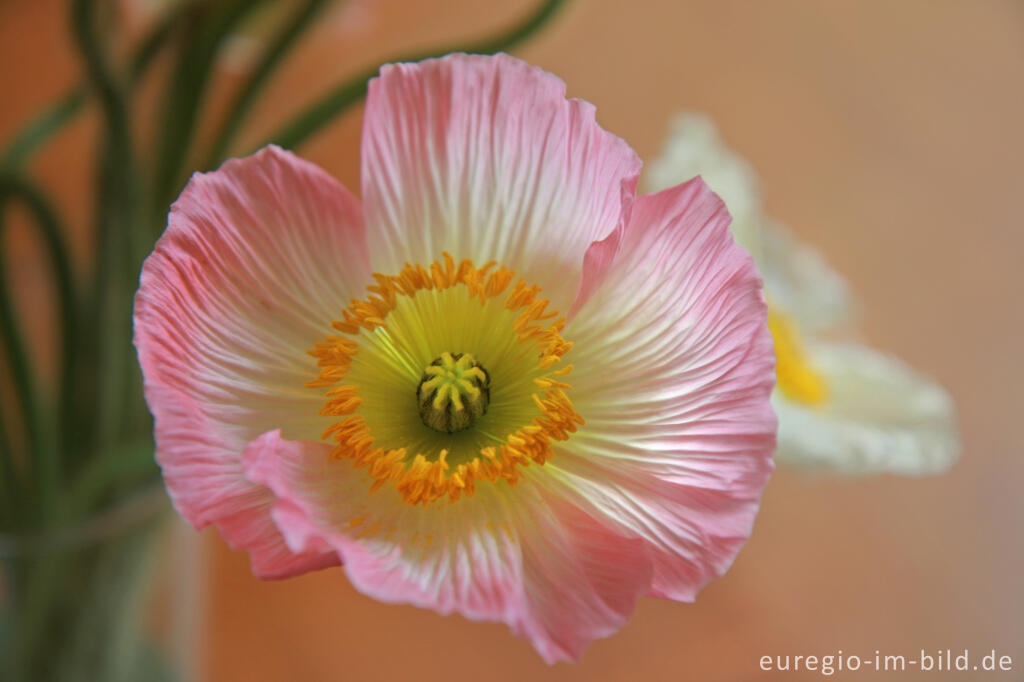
{"x": 419, "y": 480}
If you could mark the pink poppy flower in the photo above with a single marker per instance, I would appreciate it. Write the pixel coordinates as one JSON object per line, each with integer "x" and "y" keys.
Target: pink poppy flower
{"x": 502, "y": 386}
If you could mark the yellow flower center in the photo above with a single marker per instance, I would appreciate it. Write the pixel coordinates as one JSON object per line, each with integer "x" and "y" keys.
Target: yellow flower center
{"x": 797, "y": 377}
{"x": 446, "y": 376}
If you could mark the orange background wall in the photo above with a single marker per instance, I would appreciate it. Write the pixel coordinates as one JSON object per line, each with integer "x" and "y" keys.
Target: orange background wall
{"x": 887, "y": 133}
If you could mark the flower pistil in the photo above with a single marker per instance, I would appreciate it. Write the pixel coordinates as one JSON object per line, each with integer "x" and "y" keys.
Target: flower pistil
{"x": 467, "y": 423}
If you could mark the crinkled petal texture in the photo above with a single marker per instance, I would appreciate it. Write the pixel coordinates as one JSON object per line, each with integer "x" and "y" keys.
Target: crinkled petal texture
{"x": 485, "y": 158}
{"x": 525, "y": 555}
{"x": 882, "y": 416}
{"x": 654, "y": 495}
{"x": 674, "y": 368}
{"x": 257, "y": 259}
{"x": 879, "y": 416}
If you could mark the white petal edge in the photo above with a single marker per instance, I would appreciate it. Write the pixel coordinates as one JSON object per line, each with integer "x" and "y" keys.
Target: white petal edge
{"x": 800, "y": 282}
{"x": 882, "y": 416}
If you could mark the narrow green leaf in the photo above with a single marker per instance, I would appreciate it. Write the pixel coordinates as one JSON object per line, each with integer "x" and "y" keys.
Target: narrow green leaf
{"x": 279, "y": 48}
{"x": 43, "y": 448}
{"x": 45, "y": 125}
{"x": 208, "y": 24}
{"x": 323, "y": 111}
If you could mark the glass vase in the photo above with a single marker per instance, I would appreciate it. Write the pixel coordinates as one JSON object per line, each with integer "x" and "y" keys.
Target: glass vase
{"x": 112, "y": 598}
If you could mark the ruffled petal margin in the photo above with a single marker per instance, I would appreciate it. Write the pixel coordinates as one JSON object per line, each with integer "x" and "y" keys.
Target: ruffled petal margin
{"x": 693, "y": 148}
{"x": 485, "y": 158}
{"x": 257, "y": 259}
{"x": 674, "y": 366}
{"x": 520, "y": 555}
{"x": 202, "y": 470}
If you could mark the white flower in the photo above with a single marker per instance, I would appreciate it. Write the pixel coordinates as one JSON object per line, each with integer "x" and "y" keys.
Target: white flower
{"x": 842, "y": 406}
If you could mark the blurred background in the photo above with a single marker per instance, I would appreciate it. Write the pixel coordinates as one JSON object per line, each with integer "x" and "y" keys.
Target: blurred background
{"x": 887, "y": 134}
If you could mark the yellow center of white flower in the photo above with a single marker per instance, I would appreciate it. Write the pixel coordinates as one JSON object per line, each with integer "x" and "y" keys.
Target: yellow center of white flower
{"x": 446, "y": 376}
{"x": 798, "y": 379}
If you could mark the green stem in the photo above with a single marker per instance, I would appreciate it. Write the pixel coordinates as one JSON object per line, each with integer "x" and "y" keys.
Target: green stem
{"x": 8, "y": 480}
{"x": 113, "y": 468}
{"x": 45, "y": 125}
{"x": 42, "y": 128}
{"x": 210, "y": 24}
{"x": 323, "y": 111}
{"x": 154, "y": 41}
{"x": 43, "y": 450}
{"x": 25, "y": 392}
{"x": 116, "y": 222}
{"x": 297, "y": 24}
